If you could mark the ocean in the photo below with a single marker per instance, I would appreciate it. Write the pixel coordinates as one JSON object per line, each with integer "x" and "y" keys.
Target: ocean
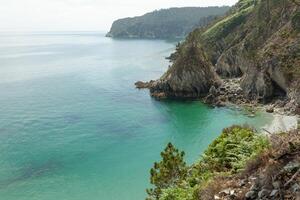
{"x": 73, "y": 126}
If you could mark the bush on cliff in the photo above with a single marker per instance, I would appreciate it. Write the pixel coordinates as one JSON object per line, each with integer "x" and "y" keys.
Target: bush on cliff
{"x": 227, "y": 155}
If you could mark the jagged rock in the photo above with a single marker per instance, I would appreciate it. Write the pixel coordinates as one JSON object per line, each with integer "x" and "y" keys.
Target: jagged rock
{"x": 228, "y": 64}
{"x": 251, "y": 195}
{"x": 291, "y": 166}
{"x": 190, "y": 76}
{"x": 276, "y": 184}
{"x": 279, "y": 103}
{"x": 242, "y": 183}
{"x": 296, "y": 188}
{"x": 270, "y": 109}
{"x": 213, "y": 91}
{"x": 263, "y": 193}
{"x": 263, "y": 51}
{"x": 257, "y": 85}
{"x": 274, "y": 193}
{"x": 254, "y": 187}
{"x": 141, "y": 84}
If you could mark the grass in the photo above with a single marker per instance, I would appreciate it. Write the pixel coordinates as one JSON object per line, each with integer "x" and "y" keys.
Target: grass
{"x": 225, "y": 26}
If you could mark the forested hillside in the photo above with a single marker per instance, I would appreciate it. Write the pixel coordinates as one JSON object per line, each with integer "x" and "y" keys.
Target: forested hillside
{"x": 165, "y": 23}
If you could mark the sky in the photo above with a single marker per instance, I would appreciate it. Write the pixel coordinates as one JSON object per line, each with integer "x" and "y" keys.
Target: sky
{"x": 82, "y": 15}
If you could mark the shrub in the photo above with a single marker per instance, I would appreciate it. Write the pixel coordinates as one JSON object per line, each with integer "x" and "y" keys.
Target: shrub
{"x": 231, "y": 150}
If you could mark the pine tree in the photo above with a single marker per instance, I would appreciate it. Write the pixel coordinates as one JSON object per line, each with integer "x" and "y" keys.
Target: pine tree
{"x": 168, "y": 172}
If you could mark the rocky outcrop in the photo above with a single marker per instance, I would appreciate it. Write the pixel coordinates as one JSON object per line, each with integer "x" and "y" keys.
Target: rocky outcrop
{"x": 259, "y": 41}
{"x": 230, "y": 63}
{"x": 257, "y": 85}
{"x": 265, "y": 48}
{"x": 228, "y": 91}
{"x": 190, "y": 76}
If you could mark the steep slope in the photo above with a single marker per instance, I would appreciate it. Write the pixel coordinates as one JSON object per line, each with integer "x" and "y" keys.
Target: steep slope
{"x": 258, "y": 40}
{"x": 190, "y": 76}
{"x": 241, "y": 164}
{"x": 165, "y": 23}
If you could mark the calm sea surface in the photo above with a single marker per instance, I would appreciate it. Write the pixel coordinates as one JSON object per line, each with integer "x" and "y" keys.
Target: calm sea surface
{"x": 73, "y": 127}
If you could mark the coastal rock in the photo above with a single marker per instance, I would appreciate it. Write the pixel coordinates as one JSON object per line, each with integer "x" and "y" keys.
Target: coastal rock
{"x": 228, "y": 64}
{"x": 250, "y": 195}
{"x": 263, "y": 193}
{"x": 270, "y": 109}
{"x": 291, "y": 166}
{"x": 296, "y": 188}
{"x": 142, "y": 85}
{"x": 274, "y": 193}
{"x": 257, "y": 85}
{"x": 190, "y": 76}
{"x": 262, "y": 52}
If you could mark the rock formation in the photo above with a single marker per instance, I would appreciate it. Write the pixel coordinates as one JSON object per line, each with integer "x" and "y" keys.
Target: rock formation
{"x": 258, "y": 40}
{"x": 190, "y": 76}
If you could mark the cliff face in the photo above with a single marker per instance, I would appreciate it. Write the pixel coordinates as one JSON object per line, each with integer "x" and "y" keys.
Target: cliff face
{"x": 259, "y": 41}
{"x": 165, "y": 23}
{"x": 190, "y": 76}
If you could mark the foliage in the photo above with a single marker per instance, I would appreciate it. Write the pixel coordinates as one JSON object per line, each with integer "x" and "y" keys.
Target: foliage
{"x": 225, "y": 26}
{"x": 177, "y": 193}
{"x": 226, "y": 155}
{"x": 231, "y": 150}
{"x": 165, "y": 23}
{"x": 170, "y": 171}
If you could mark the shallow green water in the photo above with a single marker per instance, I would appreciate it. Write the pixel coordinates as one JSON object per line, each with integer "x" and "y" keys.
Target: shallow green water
{"x": 73, "y": 127}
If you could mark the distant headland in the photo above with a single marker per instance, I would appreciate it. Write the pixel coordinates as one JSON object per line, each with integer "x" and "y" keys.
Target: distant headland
{"x": 165, "y": 23}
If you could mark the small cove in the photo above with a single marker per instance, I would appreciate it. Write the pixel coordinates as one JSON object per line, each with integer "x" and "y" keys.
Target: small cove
{"x": 73, "y": 127}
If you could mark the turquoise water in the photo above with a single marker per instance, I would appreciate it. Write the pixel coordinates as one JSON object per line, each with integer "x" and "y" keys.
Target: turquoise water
{"x": 73, "y": 127}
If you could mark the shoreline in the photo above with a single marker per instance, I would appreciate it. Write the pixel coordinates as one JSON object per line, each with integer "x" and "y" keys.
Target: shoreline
{"x": 281, "y": 123}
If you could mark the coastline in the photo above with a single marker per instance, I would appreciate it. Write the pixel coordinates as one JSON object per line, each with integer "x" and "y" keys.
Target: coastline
{"x": 281, "y": 123}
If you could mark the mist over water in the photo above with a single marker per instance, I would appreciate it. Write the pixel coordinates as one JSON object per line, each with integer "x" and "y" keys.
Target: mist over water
{"x": 73, "y": 127}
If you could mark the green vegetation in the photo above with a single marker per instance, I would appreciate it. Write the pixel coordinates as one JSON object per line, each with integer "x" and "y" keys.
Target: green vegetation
{"x": 230, "y": 151}
{"x": 227, "y": 155}
{"x": 165, "y": 23}
{"x": 168, "y": 172}
{"x": 225, "y": 26}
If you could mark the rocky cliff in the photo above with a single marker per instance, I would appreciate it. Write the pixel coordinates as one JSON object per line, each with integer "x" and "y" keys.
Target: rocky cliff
{"x": 190, "y": 76}
{"x": 258, "y": 41}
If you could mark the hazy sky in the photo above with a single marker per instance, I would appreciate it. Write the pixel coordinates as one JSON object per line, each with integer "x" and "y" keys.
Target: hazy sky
{"x": 68, "y": 15}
